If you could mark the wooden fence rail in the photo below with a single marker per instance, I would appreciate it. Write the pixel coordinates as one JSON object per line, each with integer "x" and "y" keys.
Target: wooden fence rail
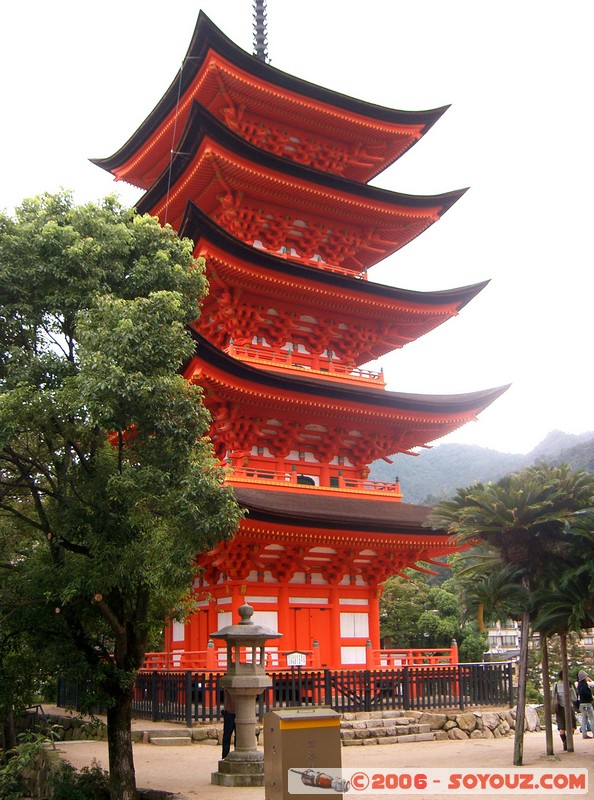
{"x": 190, "y": 697}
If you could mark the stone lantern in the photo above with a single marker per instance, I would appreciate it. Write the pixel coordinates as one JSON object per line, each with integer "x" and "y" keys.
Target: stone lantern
{"x": 245, "y": 679}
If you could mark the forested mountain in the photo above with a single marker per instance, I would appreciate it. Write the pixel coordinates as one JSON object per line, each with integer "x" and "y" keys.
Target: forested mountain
{"x": 437, "y": 473}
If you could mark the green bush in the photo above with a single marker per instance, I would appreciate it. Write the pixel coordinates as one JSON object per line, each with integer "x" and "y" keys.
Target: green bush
{"x": 533, "y": 693}
{"x": 16, "y": 762}
{"x": 89, "y": 783}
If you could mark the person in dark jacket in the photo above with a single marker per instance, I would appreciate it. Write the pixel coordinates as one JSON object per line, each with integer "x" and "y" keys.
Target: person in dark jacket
{"x": 584, "y": 696}
{"x": 228, "y": 720}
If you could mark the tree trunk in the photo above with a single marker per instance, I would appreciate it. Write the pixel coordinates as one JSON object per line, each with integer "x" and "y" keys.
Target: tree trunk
{"x": 521, "y": 706}
{"x": 547, "y": 695}
{"x": 9, "y": 728}
{"x": 122, "y": 777}
{"x": 567, "y": 691}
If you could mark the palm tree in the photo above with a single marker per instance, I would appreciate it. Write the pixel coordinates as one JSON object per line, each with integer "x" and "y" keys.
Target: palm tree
{"x": 523, "y": 516}
{"x": 493, "y": 595}
{"x": 564, "y": 609}
{"x": 566, "y": 603}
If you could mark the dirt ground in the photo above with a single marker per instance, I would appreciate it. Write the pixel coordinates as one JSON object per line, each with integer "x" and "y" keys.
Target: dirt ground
{"x": 186, "y": 770}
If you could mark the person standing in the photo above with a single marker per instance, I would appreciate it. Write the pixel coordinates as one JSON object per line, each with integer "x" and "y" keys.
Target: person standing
{"x": 584, "y": 696}
{"x": 563, "y": 711}
{"x": 229, "y": 711}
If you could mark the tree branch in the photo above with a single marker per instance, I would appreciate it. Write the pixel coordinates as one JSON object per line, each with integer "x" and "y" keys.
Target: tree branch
{"x": 70, "y": 546}
{"x": 109, "y": 615}
{"x": 22, "y": 517}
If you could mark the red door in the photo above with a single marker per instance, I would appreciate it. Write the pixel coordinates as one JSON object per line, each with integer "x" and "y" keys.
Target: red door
{"x": 313, "y": 624}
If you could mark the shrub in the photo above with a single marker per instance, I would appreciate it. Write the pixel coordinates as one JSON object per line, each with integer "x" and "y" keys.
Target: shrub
{"x": 89, "y": 783}
{"x": 15, "y": 763}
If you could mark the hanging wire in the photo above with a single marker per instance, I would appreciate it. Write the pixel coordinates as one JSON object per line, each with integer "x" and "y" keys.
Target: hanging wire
{"x": 260, "y": 26}
{"x": 173, "y": 138}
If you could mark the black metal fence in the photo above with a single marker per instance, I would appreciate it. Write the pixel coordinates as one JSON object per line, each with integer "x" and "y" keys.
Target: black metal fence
{"x": 190, "y": 697}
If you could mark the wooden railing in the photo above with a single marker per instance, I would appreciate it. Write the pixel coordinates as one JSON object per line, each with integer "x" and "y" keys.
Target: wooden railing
{"x": 324, "y": 368}
{"x": 214, "y": 659}
{"x": 238, "y": 474}
{"x": 390, "y": 658}
{"x": 316, "y": 261}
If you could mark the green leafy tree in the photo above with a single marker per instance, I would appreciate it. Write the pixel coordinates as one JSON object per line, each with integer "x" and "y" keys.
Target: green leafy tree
{"x": 523, "y": 517}
{"x": 104, "y": 464}
{"x": 22, "y": 669}
{"x": 415, "y": 614}
{"x": 402, "y": 603}
{"x": 473, "y": 645}
{"x": 564, "y": 605}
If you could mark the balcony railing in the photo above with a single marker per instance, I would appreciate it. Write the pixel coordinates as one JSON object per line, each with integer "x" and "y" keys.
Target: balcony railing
{"x": 316, "y": 261}
{"x": 327, "y": 369}
{"x": 214, "y": 659}
{"x": 255, "y": 475}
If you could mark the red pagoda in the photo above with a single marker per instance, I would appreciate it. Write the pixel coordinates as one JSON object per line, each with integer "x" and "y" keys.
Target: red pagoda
{"x": 268, "y": 175}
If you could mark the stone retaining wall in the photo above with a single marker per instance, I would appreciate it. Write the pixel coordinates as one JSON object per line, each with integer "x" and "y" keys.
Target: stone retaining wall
{"x": 391, "y": 727}
{"x": 360, "y": 728}
{"x": 75, "y": 728}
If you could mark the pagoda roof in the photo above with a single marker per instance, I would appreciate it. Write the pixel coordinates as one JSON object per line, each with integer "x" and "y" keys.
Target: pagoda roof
{"x": 334, "y": 511}
{"x": 372, "y": 424}
{"x": 397, "y": 315}
{"x": 261, "y": 197}
{"x": 285, "y": 532}
{"x": 270, "y": 383}
{"x": 227, "y": 81}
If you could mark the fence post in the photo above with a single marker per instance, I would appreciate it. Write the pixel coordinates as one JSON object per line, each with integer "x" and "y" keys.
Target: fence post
{"x": 461, "y": 687}
{"x": 154, "y": 696}
{"x": 188, "y": 699}
{"x": 405, "y": 688}
{"x": 367, "y": 687}
{"x": 327, "y": 689}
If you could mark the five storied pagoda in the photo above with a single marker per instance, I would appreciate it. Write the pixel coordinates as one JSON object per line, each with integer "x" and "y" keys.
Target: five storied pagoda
{"x": 269, "y": 176}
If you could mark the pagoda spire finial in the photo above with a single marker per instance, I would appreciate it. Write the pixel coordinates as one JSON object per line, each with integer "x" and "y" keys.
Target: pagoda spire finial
{"x": 260, "y": 30}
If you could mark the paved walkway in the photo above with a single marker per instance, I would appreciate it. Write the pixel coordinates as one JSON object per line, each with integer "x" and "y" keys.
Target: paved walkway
{"x": 186, "y": 770}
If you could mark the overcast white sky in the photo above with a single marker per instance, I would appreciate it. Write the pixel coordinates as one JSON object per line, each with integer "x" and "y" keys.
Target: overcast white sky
{"x": 79, "y": 77}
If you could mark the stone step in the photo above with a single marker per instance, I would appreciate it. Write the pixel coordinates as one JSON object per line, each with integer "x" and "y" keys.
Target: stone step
{"x": 379, "y": 740}
{"x": 171, "y": 741}
{"x": 378, "y": 722}
{"x": 393, "y": 714}
{"x": 182, "y": 733}
{"x": 384, "y": 732}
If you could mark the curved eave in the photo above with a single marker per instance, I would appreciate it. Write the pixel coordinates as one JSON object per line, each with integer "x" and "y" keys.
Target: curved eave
{"x": 353, "y": 514}
{"x": 202, "y": 126}
{"x": 206, "y": 37}
{"x": 217, "y": 169}
{"x": 239, "y": 375}
{"x": 197, "y": 225}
